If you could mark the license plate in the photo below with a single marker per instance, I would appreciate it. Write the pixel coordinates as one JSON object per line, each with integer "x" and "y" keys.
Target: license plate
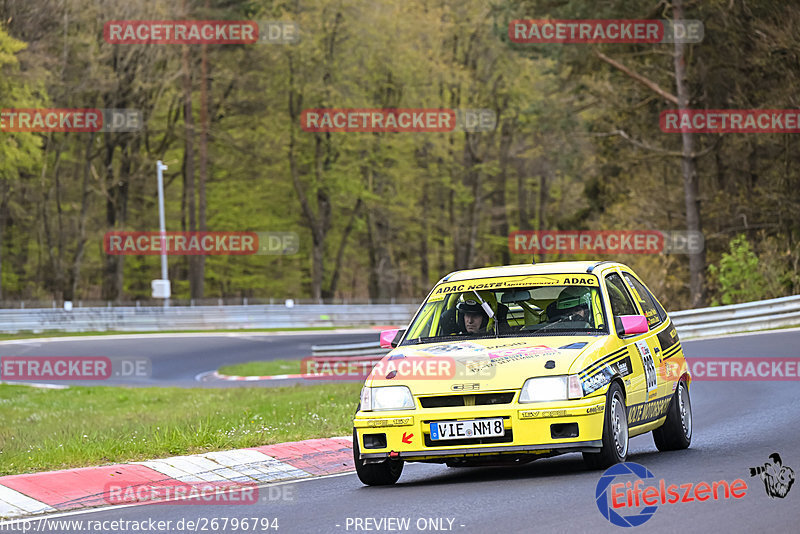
{"x": 477, "y": 428}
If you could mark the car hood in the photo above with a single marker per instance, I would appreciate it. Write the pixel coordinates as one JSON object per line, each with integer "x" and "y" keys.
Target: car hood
{"x": 479, "y": 365}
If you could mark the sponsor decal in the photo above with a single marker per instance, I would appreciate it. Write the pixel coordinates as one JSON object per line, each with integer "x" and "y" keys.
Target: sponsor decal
{"x": 535, "y": 414}
{"x": 465, "y": 347}
{"x": 596, "y": 409}
{"x": 646, "y": 412}
{"x": 574, "y": 346}
{"x": 600, "y": 378}
{"x": 667, "y": 337}
{"x": 777, "y": 478}
{"x": 503, "y": 356}
{"x": 514, "y": 281}
{"x": 649, "y": 366}
{"x": 397, "y": 421}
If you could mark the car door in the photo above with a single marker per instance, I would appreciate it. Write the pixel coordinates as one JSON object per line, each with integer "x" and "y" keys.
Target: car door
{"x": 641, "y": 347}
{"x": 656, "y": 320}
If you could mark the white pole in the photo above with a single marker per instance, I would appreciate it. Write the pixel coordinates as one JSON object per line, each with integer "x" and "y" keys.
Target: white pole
{"x": 162, "y": 225}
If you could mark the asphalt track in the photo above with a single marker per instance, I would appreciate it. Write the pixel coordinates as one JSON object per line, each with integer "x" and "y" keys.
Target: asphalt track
{"x": 737, "y": 425}
{"x": 184, "y": 360}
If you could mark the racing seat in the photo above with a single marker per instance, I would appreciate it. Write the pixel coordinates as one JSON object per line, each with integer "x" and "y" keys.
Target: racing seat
{"x": 501, "y": 316}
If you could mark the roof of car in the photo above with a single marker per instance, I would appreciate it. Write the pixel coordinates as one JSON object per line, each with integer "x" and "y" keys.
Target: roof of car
{"x": 556, "y": 267}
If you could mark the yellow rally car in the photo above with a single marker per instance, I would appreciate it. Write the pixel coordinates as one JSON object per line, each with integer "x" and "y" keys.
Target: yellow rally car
{"x": 509, "y": 364}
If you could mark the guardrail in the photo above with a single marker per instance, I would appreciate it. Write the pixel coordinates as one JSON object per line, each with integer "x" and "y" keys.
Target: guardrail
{"x": 718, "y": 320}
{"x": 691, "y": 324}
{"x": 133, "y": 319}
{"x": 746, "y": 317}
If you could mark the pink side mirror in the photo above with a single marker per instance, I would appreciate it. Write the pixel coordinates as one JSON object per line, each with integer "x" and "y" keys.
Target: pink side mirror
{"x": 633, "y": 324}
{"x": 387, "y": 338}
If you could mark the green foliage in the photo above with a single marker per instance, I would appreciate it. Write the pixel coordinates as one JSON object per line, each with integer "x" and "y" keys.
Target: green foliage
{"x": 738, "y": 273}
{"x": 743, "y": 275}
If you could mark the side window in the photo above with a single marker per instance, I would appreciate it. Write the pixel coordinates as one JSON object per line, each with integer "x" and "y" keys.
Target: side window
{"x": 621, "y": 303}
{"x": 642, "y": 295}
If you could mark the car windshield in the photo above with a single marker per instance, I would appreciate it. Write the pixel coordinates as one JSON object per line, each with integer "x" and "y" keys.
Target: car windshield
{"x": 510, "y": 307}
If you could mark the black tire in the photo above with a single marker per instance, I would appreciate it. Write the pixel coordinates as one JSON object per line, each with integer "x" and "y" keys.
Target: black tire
{"x": 385, "y": 473}
{"x": 615, "y": 432}
{"x": 676, "y": 432}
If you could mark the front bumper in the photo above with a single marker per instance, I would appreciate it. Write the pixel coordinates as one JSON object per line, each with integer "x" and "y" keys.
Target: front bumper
{"x": 541, "y": 428}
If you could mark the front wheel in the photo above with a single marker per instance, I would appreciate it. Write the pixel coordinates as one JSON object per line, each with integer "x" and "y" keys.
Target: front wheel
{"x": 385, "y": 473}
{"x": 615, "y": 432}
{"x": 676, "y": 432}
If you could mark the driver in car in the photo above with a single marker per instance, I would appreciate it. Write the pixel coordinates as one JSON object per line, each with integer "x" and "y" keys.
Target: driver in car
{"x": 574, "y": 303}
{"x": 475, "y": 318}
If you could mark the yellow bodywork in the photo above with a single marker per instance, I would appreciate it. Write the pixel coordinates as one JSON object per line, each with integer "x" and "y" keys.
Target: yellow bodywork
{"x": 502, "y": 365}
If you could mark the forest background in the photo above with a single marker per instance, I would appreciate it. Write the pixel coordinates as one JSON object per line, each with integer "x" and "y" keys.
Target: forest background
{"x": 383, "y": 216}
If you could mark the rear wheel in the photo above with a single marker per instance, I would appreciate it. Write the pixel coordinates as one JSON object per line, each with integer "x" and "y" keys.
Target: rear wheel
{"x": 385, "y": 473}
{"x": 615, "y": 432}
{"x": 676, "y": 432}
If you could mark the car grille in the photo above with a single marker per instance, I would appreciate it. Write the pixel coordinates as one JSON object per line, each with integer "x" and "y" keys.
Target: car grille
{"x": 479, "y": 399}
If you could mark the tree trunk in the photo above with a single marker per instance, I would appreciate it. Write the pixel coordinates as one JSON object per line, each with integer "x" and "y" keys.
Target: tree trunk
{"x": 203, "y": 175}
{"x": 331, "y": 292}
{"x": 195, "y": 283}
{"x": 500, "y": 215}
{"x": 4, "y": 195}
{"x": 77, "y": 259}
{"x": 689, "y": 169}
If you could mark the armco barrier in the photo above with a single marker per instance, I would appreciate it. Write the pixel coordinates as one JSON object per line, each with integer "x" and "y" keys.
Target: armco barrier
{"x": 719, "y": 320}
{"x": 132, "y": 319}
{"x": 746, "y": 317}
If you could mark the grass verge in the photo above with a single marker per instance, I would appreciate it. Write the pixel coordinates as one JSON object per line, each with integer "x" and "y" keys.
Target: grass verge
{"x": 43, "y": 430}
{"x": 262, "y": 368}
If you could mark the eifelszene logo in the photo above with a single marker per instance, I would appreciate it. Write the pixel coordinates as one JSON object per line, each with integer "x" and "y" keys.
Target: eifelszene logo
{"x": 624, "y": 500}
{"x": 778, "y": 478}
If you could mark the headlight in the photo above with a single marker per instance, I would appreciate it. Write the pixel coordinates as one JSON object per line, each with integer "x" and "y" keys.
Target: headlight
{"x": 386, "y": 398}
{"x": 551, "y": 388}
